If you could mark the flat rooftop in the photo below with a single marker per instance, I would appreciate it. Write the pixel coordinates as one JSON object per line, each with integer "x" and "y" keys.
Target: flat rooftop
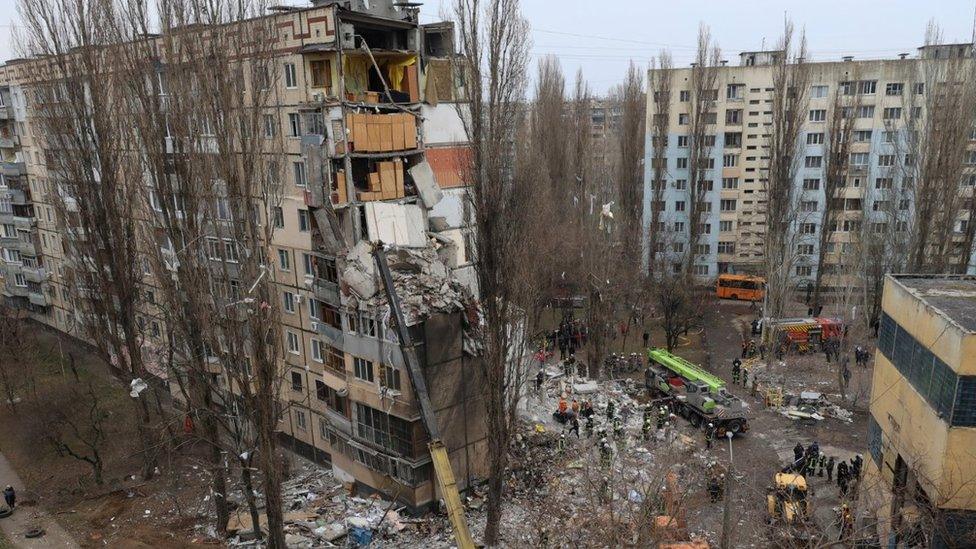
{"x": 954, "y": 296}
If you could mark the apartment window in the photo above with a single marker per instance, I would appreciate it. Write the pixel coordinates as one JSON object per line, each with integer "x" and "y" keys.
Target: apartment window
{"x": 682, "y": 140}
{"x": 804, "y": 270}
{"x": 681, "y": 163}
{"x": 851, "y": 226}
{"x": 733, "y": 117}
{"x": 859, "y": 159}
{"x": 970, "y": 158}
{"x": 866, "y": 111}
{"x": 20, "y": 280}
{"x": 701, "y": 270}
{"x": 734, "y": 91}
{"x": 818, "y": 91}
{"x": 321, "y": 70}
{"x": 703, "y": 249}
{"x": 678, "y": 247}
{"x": 300, "y": 420}
{"x": 818, "y": 115}
{"x": 291, "y": 80}
{"x": 683, "y": 119}
{"x": 804, "y": 249}
{"x": 363, "y": 369}
{"x": 904, "y": 204}
{"x": 270, "y": 126}
{"x": 889, "y": 136}
{"x": 727, "y": 205}
{"x": 918, "y": 88}
{"x": 886, "y": 160}
{"x": 288, "y": 302}
{"x": 284, "y": 260}
{"x": 909, "y": 159}
{"x": 847, "y": 88}
{"x": 894, "y": 88}
{"x": 296, "y": 381}
{"x": 867, "y": 87}
{"x": 295, "y": 124}
{"x": 813, "y": 162}
{"x": 730, "y": 183}
{"x": 384, "y": 430}
{"x": 277, "y": 217}
{"x": 684, "y": 96}
{"x": 862, "y": 136}
{"x": 679, "y": 226}
{"x": 681, "y": 184}
{"x": 733, "y": 139}
{"x": 318, "y": 350}
{"x": 815, "y": 138}
{"x": 301, "y": 179}
{"x": 891, "y": 113}
{"x": 367, "y": 326}
{"x": 726, "y": 247}
{"x": 730, "y": 160}
{"x": 293, "y": 346}
{"x": 390, "y": 377}
{"x": 679, "y": 205}
{"x": 808, "y": 206}
{"x": 230, "y": 251}
{"x": 705, "y": 228}
{"x": 725, "y": 226}
{"x": 808, "y": 228}
{"x": 916, "y": 112}
{"x": 880, "y": 205}
{"x": 304, "y": 222}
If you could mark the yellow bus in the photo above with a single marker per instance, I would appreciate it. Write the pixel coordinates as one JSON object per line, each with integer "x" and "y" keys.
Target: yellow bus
{"x": 744, "y": 287}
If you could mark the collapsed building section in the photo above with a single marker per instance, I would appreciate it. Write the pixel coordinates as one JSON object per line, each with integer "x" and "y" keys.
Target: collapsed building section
{"x": 383, "y": 147}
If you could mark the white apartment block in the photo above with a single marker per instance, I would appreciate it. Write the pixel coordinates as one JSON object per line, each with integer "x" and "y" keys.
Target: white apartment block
{"x": 734, "y": 223}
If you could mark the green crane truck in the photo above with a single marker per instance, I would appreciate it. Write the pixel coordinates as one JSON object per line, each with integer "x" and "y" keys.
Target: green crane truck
{"x": 698, "y": 395}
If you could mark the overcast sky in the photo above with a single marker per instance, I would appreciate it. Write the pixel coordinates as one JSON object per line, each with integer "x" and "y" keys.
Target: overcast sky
{"x": 602, "y": 36}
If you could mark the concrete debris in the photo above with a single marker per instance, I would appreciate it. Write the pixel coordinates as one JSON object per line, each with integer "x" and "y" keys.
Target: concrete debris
{"x": 427, "y": 188}
{"x": 423, "y": 283}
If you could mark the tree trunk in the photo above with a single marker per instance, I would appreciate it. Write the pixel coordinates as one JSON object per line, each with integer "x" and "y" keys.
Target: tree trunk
{"x": 218, "y": 473}
{"x": 498, "y": 457}
{"x": 272, "y": 478}
{"x": 252, "y": 500}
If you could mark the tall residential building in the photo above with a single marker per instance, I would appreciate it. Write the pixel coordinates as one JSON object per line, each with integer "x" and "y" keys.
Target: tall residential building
{"x": 391, "y": 163}
{"x": 922, "y": 426}
{"x": 880, "y": 97}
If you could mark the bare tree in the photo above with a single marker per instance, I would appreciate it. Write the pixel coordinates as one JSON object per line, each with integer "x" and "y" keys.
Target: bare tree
{"x": 660, "y": 88}
{"x": 836, "y": 160}
{"x": 630, "y": 100}
{"x": 18, "y": 350}
{"x": 789, "y": 96}
{"x": 701, "y": 121}
{"x": 75, "y": 92}
{"x": 940, "y": 111}
{"x": 74, "y": 421}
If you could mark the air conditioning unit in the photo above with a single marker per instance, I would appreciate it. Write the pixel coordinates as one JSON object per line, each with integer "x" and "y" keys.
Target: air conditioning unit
{"x": 298, "y": 298}
{"x": 315, "y": 326}
{"x": 318, "y": 96}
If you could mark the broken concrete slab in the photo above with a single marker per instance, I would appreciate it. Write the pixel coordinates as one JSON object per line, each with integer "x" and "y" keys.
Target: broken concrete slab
{"x": 427, "y": 188}
{"x": 396, "y": 224}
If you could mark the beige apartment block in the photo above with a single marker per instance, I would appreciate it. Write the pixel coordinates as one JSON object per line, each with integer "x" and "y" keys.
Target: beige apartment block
{"x": 392, "y": 166}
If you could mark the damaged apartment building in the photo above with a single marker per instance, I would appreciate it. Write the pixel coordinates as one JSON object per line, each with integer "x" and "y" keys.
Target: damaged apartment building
{"x": 372, "y": 111}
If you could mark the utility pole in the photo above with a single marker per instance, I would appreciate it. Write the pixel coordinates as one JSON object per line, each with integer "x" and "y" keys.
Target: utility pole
{"x": 726, "y": 542}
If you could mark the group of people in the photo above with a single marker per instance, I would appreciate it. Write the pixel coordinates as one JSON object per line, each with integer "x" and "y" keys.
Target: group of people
{"x": 810, "y": 462}
{"x": 861, "y": 356}
{"x": 750, "y": 348}
{"x": 740, "y": 373}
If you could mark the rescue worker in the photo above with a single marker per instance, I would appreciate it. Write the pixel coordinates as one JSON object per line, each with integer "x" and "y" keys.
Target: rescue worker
{"x": 561, "y": 414}
{"x": 575, "y": 407}
{"x": 662, "y": 417}
{"x": 842, "y": 477}
{"x": 574, "y": 426}
{"x": 821, "y": 464}
{"x": 586, "y": 410}
{"x": 797, "y": 452}
{"x": 830, "y": 469}
{"x": 589, "y": 426}
{"x": 606, "y": 453}
{"x": 709, "y": 436}
{"x": 857, "y": 462}
{"x": 561, "y": 444}
{"x": 745, "y": 377}
{"x": 714, "y": 488}
{"x": 646, "y": 413}
{"x": 618, "y": 430}
{"x": 10, "y": 496}
{"x": 539, "y": 378}
{"x": 736, "y": 371}
{"x": 611, "y": 409}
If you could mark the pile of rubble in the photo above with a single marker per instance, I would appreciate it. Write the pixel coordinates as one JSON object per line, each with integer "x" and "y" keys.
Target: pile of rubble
{"x": 423, "y": 282}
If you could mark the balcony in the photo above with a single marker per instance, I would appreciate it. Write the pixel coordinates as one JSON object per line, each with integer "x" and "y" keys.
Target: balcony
{"x": 24, "y": 223}
{"x": 35, "y": 274}
{"x": 333, "y": 336}
{"x": 9, "y": 142}
{"x": 37, "y": 298}
{"x": 14, "y": 290}
{"x": 326, "y": 291}
{"x": 13, "y": 169}
{"x": 5, "y": 112}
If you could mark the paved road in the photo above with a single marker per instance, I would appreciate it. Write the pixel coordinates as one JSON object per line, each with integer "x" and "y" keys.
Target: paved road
{"x": 28, "y": 517}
